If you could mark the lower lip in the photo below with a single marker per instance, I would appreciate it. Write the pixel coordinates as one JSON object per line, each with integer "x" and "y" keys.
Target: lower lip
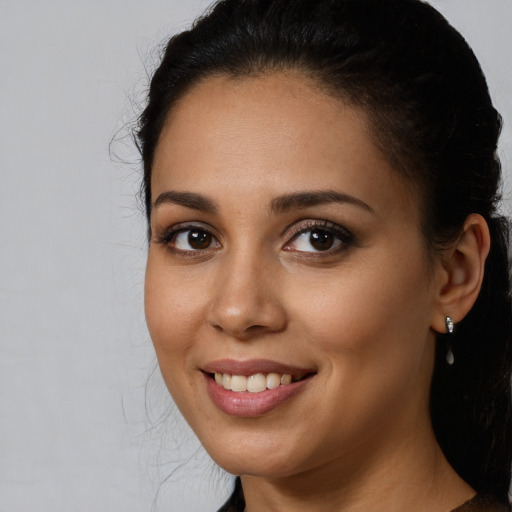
{"x": 249, "y": 405}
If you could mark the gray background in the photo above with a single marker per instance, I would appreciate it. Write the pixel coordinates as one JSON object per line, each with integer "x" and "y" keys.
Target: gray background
{"x": 78, "y": 432}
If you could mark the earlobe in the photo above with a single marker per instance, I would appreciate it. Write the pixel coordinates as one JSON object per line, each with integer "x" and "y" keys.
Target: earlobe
{"x": 463, "y": 272}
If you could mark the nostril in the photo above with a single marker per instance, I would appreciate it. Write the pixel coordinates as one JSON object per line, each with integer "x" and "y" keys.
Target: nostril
{"x": 253, "y": 328}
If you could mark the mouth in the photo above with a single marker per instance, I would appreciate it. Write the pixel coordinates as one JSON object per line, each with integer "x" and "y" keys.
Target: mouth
{"x": 253, "y": 388}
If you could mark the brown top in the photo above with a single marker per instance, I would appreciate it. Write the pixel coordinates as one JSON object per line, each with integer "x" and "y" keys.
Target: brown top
{"x": 479, "y": 503}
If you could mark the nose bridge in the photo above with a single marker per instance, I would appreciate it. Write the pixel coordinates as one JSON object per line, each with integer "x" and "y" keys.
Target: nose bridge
{"x": 247, "y": 299}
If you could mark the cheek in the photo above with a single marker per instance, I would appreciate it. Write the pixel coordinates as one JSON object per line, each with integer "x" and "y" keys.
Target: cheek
{"x": 370, "y": 332}
{"x": 379, "y": 308}
{"x": 175, "y": 308}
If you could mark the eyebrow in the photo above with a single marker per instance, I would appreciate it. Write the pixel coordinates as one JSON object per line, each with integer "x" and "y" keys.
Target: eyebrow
{"x": 302, "y": 200}
{"x": 187, "y": 199}
{"x": 281, "y": 204}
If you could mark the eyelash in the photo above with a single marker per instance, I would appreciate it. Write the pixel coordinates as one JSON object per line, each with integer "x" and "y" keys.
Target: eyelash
{"x": 345, "y": 237}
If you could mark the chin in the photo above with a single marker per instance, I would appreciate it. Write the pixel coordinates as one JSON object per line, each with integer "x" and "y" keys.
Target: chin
{"x": 260, "y": 468}
{"x": 256, "y": 460}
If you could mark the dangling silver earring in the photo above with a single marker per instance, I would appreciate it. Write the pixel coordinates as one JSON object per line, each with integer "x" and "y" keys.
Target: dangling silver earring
{"x": 450, "y": 327}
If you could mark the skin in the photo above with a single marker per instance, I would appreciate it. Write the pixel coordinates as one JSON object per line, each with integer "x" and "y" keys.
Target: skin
{"x": 362, "y": 315}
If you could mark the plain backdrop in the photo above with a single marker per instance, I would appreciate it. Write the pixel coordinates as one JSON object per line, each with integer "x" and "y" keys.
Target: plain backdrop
{"x": 85, "y": 422}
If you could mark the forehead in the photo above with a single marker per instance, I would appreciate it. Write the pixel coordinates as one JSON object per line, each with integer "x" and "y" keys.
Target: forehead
{"x": 272, "y": 134}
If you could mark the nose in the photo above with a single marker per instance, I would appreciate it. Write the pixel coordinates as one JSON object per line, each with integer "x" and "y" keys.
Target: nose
{"x": 247, "y": 301}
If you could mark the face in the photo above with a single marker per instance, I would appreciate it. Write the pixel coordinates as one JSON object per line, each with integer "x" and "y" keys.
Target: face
{"x": 286, "y": 257}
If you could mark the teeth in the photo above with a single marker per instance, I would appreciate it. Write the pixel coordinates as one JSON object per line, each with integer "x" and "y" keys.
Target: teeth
{"x": 286, "y": 379}
{"x": 273, "y": 380}
{"x": 238, "y": 383}
{"x": 226, "y": 381}
{"x": 257, "y": 383}
{"x": 254, "y": 384}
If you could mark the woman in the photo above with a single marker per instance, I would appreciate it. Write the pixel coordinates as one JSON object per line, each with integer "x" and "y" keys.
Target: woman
{"x": 327, "y": 287}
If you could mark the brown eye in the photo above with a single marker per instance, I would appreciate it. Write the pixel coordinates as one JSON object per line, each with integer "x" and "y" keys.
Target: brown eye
{"x": 321, "y": 240}
{"x": 194, "y": 239}
{"x": 199, "y": 239}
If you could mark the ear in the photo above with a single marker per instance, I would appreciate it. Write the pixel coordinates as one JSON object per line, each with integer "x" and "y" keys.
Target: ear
{"x": 462, "y": 272}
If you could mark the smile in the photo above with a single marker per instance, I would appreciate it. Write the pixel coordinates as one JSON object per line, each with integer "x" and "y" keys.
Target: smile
{"x": 253, "y": 388}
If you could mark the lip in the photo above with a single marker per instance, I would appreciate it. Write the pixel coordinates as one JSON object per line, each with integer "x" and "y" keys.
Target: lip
{"x": 249, "y": 405}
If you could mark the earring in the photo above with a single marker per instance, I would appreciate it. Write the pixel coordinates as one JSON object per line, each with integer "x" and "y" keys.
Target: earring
{"x": 450, "y": 327}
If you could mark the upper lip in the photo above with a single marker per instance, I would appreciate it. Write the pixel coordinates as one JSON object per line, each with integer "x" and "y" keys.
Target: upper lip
{"x": 253, "y": 366}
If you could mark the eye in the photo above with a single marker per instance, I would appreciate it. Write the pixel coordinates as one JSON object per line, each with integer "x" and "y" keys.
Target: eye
{"x": 316, "y": 240}
{"x": 188, "y": 239}
{"x": 326, "y": 237}
{"x": 193, "y": 240}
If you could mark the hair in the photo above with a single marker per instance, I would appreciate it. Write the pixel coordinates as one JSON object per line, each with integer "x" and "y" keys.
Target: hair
{"x": 428, "y": 104}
